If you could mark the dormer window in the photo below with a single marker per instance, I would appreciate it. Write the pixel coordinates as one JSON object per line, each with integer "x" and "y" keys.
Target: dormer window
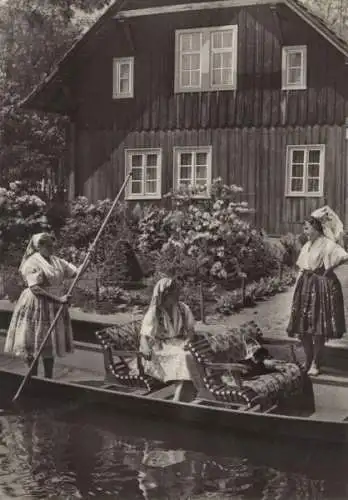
{"x": 294, "y": 68}
{"x": 206, "y": 59}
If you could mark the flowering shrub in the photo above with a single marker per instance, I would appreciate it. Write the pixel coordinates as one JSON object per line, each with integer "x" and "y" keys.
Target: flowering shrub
{"x": 21, "y": 215}
{"x": 210, "y": 239}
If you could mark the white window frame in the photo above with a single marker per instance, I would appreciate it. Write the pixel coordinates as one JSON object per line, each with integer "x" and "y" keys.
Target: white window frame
{"x": 286, "y": 51}
{"x": 306, "y": 148}
{"x": 193, "y": 149}
{"x": 144, "y": 196}
{"x": 116, "y": 87}
{"x": 206, "y": 53}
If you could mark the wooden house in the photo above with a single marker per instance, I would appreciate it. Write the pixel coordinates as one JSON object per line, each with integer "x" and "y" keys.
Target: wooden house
{"x": 184, "y": 91}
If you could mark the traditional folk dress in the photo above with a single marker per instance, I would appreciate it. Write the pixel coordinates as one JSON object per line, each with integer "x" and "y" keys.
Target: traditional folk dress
{"x": 34, "y": 314}
{"x": 318, "y": 306}
{"x": 166, "y": 337}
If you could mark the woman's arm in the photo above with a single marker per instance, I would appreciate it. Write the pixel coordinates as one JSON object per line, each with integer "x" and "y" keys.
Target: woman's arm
{"x": 37, "y": 290}
{"x": 344, "y": 260}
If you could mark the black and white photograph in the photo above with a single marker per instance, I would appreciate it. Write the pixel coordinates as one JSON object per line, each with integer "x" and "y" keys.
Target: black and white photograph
{"x": 173, "y": 249}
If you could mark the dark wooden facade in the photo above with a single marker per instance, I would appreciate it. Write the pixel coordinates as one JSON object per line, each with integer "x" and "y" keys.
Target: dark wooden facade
{"x": 248, "y": 129}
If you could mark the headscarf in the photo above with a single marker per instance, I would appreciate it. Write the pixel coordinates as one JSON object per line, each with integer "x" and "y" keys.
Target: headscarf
{"x": 33, "y": 247}
{"x": 332, "y": 226}
{"x": 162, "y": 287}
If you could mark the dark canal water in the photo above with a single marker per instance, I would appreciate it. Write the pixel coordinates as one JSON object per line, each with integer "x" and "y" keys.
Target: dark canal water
{"x": 70, "y": 452}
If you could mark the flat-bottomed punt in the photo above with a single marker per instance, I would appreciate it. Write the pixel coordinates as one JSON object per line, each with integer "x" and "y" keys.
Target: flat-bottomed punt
{"x": 76, "y": 381}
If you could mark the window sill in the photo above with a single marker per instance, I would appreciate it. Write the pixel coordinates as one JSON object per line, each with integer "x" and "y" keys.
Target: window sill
{"x": 143, "y": 197}
{"x": 295, "y": 87}
{"x": 118, "y": 97}
{"x": 304, "y": 195}
{"x": 210, "y": 89}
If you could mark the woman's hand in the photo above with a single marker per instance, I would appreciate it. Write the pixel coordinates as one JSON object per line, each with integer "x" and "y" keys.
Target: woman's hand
{"x": 64, "y": 299}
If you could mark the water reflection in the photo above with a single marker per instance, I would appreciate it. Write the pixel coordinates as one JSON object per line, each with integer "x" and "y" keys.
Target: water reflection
{"x": 67, "y": 454}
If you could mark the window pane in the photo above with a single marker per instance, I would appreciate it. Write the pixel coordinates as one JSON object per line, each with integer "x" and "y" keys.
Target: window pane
{"x": 217, "y": 61}
{"x": 186, "y": 159}
{"x": 201, "y": 158}
{"x": 151, "y": 160}
{"x": 185, "y": 78}
{"x": 124, "y": 86}
{"x": 185, "y": 173}
{"x": 313, "y": 170}
{"x": 295, "y": 59}
{"x": 195, "y": 78}
{"x": 137, "y": 174}
{"x": 186, "y": 41}
{"x": 137, "y": 160}
{"x": 314, "y": 156}
{"x": 186, "y": 62}
{"x": 217, "y": 77}
{"x": 297, "y": 171}
{"x": 195, "y": 61}
{"x": 201, "y": 183}
{"x": 227, "y": 60}
{"x": 313, "y": 185}
{"x": 226, "y": 76}
{"x": 201, "y": 173}
{"x": 227, "y": 39}
{"x": 136, "y": 187}
{"x": 294, "y": 75}
{"x": 151, "y": 187}
{"x": 124, "y": 70}
{"x": 151, "y": 173}
{"x": 297, "y": 156}
{"x": 217, "y": 40}
{"x": 196, "y": 41}
{"x": 296, "y": 185}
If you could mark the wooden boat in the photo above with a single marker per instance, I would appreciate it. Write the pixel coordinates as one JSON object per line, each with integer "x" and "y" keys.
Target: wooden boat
{"x": 92, "y": 391}
{"x": 326, "y": 422}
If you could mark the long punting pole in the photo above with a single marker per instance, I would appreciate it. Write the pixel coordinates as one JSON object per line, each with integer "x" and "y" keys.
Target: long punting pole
{"x": 77, "y": 277}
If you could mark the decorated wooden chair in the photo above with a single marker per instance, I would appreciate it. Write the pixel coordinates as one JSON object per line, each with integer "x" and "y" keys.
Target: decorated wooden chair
{"x": 220, "y": 377}
{"x": 122, "y": 358}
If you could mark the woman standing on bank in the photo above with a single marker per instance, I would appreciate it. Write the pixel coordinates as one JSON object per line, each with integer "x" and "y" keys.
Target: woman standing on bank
{"x": 317, "y": 313}
{"x": 44, "y": 275}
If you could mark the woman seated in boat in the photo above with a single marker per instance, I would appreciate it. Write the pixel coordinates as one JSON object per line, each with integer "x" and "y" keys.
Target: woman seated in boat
{"x": 44, "y": 275}
{"x": 317, "y": 312}
{"x": 166, "y": 327}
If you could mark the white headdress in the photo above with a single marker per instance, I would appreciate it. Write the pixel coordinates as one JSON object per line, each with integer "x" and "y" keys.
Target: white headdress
{"x": 32, "y": 247}
{"x": 332, "y": 224}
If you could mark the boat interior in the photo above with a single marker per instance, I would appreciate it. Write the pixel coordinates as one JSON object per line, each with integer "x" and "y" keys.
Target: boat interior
{"x": 219, "y": 381}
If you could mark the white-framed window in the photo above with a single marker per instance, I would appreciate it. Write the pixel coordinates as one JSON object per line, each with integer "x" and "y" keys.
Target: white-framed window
{"x": 146, "y": 167}
{"x": 294, "y": 68}
{"x": 123, "y": 77}
{"x": 192, "y": 169}
{"x": 206, "y": 59}
{"x": 305, "y": 170}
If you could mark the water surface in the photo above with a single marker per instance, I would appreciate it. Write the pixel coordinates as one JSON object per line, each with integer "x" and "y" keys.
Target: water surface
{"x": 68, "y": 452}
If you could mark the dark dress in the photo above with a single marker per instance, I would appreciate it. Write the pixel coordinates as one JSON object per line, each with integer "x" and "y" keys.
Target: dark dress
{"x": 318, "y": 305}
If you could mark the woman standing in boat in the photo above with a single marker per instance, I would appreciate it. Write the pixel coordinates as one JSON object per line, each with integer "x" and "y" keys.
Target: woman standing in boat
{"x": 317, "y": 312}
{"x": 166, "y": 327}
{"x": 44, "y": 275}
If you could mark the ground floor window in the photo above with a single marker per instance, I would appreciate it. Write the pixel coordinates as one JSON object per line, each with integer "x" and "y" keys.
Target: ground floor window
{"x": 146, "y": 169}
{"x": 305, "y": 170}
{"x": 192, "y": 169}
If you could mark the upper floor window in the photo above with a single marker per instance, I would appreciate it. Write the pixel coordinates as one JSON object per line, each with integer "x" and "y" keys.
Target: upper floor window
{"x": 146, "y": 168}
{"x": 206, "y": 59}
{"x": 123, "y": 77}
{"x": 294, "y": 68}
{"x": 305, "y": 170}
{"x": 192, "y": 169}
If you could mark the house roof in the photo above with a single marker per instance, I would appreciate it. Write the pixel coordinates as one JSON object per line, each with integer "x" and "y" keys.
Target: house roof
{"x": 44, "y": 96}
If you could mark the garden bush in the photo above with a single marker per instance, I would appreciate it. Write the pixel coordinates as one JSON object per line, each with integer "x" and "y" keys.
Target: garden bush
{"x": 210, "y": 240}
{"x": 21, "y": 215}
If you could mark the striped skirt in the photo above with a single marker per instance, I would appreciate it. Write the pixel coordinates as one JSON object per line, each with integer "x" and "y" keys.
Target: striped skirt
{"x": 29, "y": 325}
{"x": 317, "y": 306}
